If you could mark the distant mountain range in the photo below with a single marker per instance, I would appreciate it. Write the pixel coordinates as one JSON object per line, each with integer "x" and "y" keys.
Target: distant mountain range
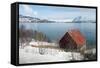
{"x": 28, "y": 19}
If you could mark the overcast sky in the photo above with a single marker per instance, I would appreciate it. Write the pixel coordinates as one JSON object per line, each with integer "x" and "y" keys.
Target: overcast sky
{"x": 53, "y": 12}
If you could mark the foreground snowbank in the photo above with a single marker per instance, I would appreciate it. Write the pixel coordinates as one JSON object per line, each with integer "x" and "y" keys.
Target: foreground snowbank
{"x": 31, "y": 55}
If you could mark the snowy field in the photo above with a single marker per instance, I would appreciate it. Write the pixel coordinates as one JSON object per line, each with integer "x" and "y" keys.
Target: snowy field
{"x": 30, "y": 54}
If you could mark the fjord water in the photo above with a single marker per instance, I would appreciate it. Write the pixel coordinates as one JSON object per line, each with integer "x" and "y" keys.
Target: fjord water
{"x": 55, "y": 31}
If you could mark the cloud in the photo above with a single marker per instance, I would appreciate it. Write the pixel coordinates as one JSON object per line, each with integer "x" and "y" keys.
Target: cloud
{"x": 62, "y": 15}
{"x": 28, "y": 11}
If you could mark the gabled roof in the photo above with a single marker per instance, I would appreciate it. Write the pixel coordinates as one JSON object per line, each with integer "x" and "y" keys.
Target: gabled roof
{"x": 77, "y": 37}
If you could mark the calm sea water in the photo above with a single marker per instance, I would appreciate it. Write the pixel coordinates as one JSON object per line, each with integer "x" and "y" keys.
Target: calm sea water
{"x": 55, "y": 31}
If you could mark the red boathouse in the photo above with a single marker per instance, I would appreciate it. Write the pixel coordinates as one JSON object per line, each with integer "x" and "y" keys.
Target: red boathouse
{"x": 73, "y": 39}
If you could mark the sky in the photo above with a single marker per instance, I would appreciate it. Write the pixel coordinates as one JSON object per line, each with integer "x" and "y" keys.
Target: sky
{"x": 56, "y": 13}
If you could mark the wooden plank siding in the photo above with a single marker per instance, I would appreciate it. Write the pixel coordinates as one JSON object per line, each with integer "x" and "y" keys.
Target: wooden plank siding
{"x": 72, "y": 40}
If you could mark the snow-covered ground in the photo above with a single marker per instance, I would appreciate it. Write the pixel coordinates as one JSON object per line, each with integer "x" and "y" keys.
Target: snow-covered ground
{"x": 91, "y": 51}
{"x": 38, "y": 43}
{"x": 30, "y": 54}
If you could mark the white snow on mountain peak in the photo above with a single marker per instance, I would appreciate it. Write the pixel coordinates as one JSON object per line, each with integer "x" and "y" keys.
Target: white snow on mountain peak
{"x": 62, "y": 20}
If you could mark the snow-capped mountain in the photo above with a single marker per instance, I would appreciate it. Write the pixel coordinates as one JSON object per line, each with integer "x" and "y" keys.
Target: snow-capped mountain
{"x": 62, "y": 20}
{"x": 79, "y": 19}
{"x": 28, "y": 19}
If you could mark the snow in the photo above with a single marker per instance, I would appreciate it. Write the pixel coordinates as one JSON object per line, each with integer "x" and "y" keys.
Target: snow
{"x": 62, "y": 20}
{"x": 30, "y": 54}
{"x": 38, "y": 43}
{"x": 91, "y": 51}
